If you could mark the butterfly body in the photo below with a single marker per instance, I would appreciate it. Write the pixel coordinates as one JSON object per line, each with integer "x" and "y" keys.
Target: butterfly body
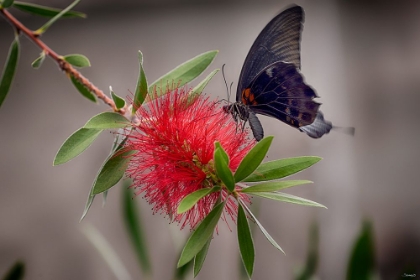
{"x": 271, "y": 84}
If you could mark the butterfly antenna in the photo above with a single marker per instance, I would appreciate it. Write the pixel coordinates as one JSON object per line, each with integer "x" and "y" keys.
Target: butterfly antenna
{"x": 224, "y": 79}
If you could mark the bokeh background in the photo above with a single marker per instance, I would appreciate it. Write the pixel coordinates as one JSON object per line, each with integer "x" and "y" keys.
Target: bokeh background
{"x": 363, "y": 59}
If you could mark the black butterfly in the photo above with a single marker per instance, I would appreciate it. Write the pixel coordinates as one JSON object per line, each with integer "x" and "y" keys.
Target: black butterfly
{"x": 271, "y": 84}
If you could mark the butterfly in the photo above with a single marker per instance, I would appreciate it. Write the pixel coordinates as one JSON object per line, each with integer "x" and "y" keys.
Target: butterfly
{"x": 271, "y": 84}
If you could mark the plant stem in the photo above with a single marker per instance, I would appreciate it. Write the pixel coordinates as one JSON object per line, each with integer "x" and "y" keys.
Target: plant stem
{"x": 64, "y": 65}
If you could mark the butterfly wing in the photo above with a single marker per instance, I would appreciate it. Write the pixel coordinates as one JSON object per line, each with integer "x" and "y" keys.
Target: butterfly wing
{"x": 278, "y": 41}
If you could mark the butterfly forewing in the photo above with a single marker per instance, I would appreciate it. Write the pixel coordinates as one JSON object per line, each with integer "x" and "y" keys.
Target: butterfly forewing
{"x": 278, "y": 41}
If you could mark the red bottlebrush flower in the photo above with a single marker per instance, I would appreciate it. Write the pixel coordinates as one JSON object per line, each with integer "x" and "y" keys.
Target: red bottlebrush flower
{"x": 175, "y": 146}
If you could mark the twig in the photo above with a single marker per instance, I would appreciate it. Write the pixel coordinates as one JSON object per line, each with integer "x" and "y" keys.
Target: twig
{"x": 64, "y": 65}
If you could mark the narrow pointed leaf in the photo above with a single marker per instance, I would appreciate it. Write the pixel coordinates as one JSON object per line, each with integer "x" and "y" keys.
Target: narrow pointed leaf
{"x": 197, "y": 90}
{"x": 83, "y": 90}
{"x": 38, "y": 62}
{"x": 106, "y": 251}
{"x": 275, "y": 186}
{"x": 88, "y": 204}
{"x": 45, "y": 11}
{"x": 9, "y": 70}
{"x": 190, "y": 200}
{"x": 253, "y": 159}
{"x": 362, "y": 260}
{"x": 224, "y": 154}
{"x": 182, "y": 74}
{"x": 263, "y": 230}
{"x": 246, "y": 245}
{"x": 281, "y": 168}
{"x": 223, "y": 171}
{"x": 119, "y": 102}
{"x": 16, "y": 272}
{"x": 107, "y": 120}
{"x": 112, "y": 171}
{"x": 288, "y": 198}
{"x": 201, "y": 235}
{"x": 6, "y": 3}
{"x": 135, "y": 228}
{"x": 77, "y": 60}
{"x": 200, "y": 258}
{"x": 55, "y": 18}
{"x": 76, "y": 144}
{"x": 141, "y": 88}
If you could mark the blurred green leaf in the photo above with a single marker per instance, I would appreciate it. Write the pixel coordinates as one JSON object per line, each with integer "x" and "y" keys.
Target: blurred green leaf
{"x": 16, "y": 272}
{"x": 119, "y": 102}
{"x": 288, "y": 198}
{"x": 77, "y": 60}
{"x": 45, "y": 11}
{"x": 82, "y": 89}
{"x": 281, "y": 168}
{"x": 112, "y": 171}
{"x": 9, "y": 70}
{"x": 135, "y": 228}
{"x": 308, "y": 271}
{"x": 106, "y": 251}
{"x": 246, "y": 245}
{"x": 253, "y": 159}
{"x": 263, "y": 230}
{"x": 362, "y": 259}
{"x": 141, "y": 88}
{"x": 182, "y": 74}
{"x": 222, "y": 169}
{"x": 79, "y": 141}
{"x": 190, "y": 200}
{"x": 107, "y": 120}
{"x": 275, "y": 186}
{"x": 55, "y": 18}
{"x": 197, "y": 90}
{"x": 201, "y": 257}
{"x": 38, "y": 62}
{"x": 6, "y": 3}
{"x": 201, "y": 235}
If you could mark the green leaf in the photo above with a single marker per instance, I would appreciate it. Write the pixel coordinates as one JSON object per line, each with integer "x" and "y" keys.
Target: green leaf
{"x": 182, "y": 74}
{"x": 107, "y": 120}
{"x": 6, "y": 3}
{"x": 106, "y": 251}
{"x": 82, "y": 89}
{"x": 201, "y": 235}
{"x": 38, "y": 62}
{"x": 76, "y": 144}
{"x": 141, "y": 88}
{"x": 263, "y": 230}
{"x": 112, "y": 171}
{"x": 55, "y": 18}
{"x": 119, "y": 102}
{"x": 9, "y": 70}
{"x": 45, "y": 11}
{"x": 135, "y": 228}
{"x": 246, "y": 245}
{"x": 197, "y": 90}
{"x": 89, "y": 202}
{"x": 288, "y": 198}
{"x": 281, "y": 168}
{"x": 224, "y": 154}
{"x": 77, "y": 60}
{"x": 222, "y": 169}
{"x": 275, "y": 186}
{"x": 190, "y": 200}
{"x": 201, "y": 257}
{"x": 16, "y": 272}
{"x": 362, "y": 259}
{"x": 253, "y": 159}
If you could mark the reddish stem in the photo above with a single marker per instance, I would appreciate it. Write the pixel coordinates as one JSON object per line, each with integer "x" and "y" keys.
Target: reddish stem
{"x": 64, "y": 65}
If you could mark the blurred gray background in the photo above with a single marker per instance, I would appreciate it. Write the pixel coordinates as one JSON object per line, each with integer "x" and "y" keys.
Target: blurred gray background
{"x": 362, "y": 57}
